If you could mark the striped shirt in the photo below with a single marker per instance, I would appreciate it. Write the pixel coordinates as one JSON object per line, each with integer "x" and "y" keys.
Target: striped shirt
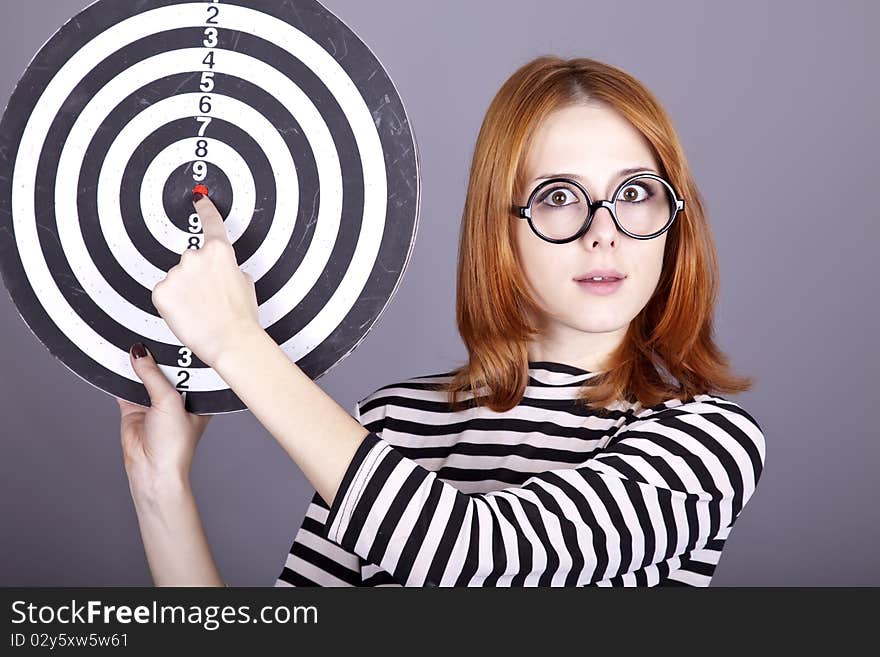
{"x": 548, "y": 493}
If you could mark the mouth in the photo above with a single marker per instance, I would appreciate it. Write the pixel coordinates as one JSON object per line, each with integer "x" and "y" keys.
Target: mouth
{"x": 599, "y": 279}
{"x": 600, "y": 284}
{"x": 600, "y": 275}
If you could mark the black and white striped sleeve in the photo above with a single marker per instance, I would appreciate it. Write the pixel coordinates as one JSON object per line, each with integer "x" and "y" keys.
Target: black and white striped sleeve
{"x": 663, "y": 486}
{"x": 313, "y": 559}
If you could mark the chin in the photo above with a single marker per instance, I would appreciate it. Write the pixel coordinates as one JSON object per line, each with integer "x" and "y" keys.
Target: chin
{"x": 608, "y": 316}
{"x": 597, "y": 327}
{"x": 586, "y": 322}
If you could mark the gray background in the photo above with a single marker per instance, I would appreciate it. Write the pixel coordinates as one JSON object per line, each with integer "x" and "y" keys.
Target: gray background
{"x": 777, "y": 106}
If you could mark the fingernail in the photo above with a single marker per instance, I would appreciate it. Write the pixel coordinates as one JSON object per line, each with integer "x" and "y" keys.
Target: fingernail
{"x": 197, "y": 197}
{"x": 138, "y": 350}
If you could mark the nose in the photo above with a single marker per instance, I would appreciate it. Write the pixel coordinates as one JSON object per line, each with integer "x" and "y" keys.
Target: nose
{"x": 602, "y": 226}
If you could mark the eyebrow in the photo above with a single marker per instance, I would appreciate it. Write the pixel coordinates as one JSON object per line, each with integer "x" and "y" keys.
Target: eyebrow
{"x": 620, "y": 174}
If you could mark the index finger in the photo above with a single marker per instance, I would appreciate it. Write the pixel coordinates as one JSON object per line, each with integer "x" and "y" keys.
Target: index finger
{"x": 213, "y": 225}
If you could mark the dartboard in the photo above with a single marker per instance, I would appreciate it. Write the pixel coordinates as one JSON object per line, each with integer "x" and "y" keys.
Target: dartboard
{"x": 276, "y": 107}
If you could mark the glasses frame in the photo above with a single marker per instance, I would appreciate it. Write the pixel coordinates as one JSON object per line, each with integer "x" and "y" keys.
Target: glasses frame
{"x": 525, "y": 211}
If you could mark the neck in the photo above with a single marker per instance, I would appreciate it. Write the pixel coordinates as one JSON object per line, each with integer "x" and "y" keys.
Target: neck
{"x": 586, "y": 350}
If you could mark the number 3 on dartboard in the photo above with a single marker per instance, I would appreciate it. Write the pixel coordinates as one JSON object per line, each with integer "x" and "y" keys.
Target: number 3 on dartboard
{"x": 185, "y": 360}
{"x": 211, "y": 40}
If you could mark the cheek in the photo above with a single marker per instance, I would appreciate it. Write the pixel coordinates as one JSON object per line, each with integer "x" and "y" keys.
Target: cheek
{"x": 538, "y": 261}
{"x": 655, "y": 258}
{"x": 650, "y": 265}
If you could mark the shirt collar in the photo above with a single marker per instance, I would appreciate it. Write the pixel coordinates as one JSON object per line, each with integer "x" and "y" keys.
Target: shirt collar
{"x": 560, "y": 374}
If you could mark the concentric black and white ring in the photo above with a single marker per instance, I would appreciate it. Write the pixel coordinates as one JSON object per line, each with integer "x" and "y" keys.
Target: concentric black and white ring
{"x": 311, "y": 157}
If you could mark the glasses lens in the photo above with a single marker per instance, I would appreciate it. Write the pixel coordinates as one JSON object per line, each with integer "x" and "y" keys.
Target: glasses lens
{"x": 559, "y": 210}
{"x": 644, "y": 205}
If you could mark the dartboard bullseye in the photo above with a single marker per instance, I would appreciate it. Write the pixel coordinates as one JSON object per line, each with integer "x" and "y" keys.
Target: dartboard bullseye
{"x": 277, "y": 108}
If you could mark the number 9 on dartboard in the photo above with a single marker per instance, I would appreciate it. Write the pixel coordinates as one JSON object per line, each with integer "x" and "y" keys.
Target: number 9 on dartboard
{"x": 278, "y": 108}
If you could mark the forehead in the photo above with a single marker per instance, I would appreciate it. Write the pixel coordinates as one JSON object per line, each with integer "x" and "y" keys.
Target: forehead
{"x": 595, "y": 141}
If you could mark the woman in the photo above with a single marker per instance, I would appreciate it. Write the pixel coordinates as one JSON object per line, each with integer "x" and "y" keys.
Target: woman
{"x": 595, "y": 450}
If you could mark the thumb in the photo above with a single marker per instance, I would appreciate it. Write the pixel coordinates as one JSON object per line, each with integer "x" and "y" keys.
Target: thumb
{"x": 162, "y": 393}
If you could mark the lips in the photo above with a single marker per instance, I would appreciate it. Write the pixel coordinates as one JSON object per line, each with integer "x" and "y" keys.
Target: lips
{"x": 603, "y": 274}
{"x": 603, "y": 287}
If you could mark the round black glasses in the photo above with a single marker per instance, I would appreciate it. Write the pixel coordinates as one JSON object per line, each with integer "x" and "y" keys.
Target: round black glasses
{"x": 560, "y": 210}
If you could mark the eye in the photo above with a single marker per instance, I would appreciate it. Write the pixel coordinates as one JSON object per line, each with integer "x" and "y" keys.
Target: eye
{"x": 558, "y": 197}
{"x": 631, "y": 193}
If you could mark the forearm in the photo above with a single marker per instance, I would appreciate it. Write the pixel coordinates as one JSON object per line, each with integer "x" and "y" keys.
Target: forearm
{"x": 174, "y": 539}
{"x": 317, "y": 433}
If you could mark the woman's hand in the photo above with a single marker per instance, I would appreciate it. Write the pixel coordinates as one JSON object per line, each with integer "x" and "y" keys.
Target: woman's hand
{"x": 159, "y": 442}
{"x": 158, "y": 445}
{"x": 207, "y": 301}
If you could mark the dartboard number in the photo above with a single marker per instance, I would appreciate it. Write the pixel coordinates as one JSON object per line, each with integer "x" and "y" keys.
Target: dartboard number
{"x": 185, "y": 360}
{"x": 205, "y": 121}
{"x": 200, "y": 168}
{"x": 195, "y": 226}
{"x": 206, "y": 85}
{"x": 211, "y": 35}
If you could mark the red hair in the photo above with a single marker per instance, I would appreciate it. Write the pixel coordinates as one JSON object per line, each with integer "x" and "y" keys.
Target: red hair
{"x": 674, "y": 329}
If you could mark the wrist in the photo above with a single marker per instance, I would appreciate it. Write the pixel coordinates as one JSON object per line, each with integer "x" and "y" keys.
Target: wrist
{"x": 154, "y": 491}
{"x": 248, "y": 345}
